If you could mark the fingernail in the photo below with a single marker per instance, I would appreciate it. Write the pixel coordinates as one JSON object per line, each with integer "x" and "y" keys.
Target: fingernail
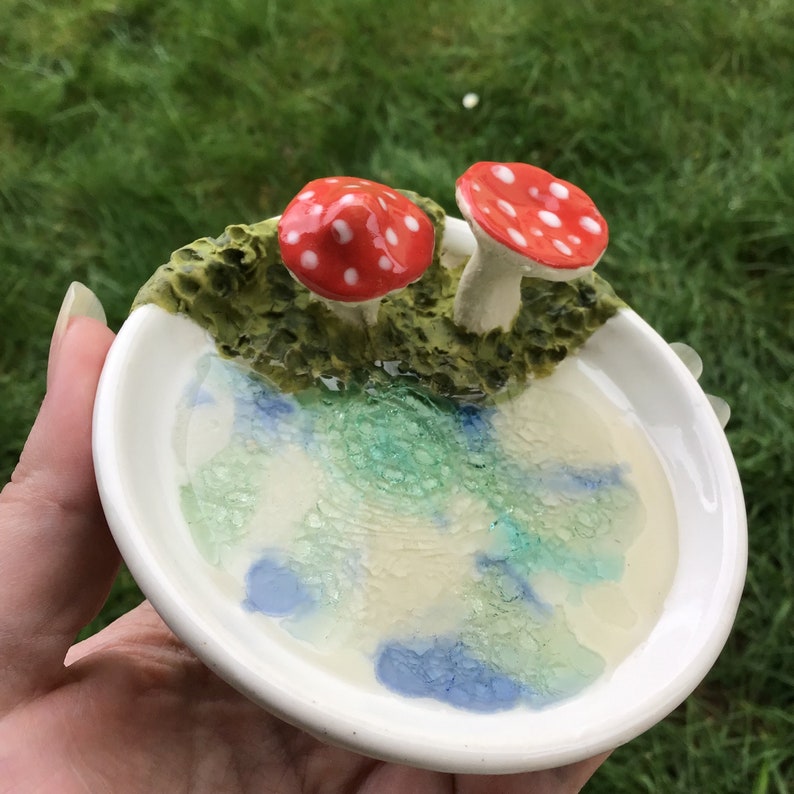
{"x": 79, "y": 301}
{"x": 692, "y": 360}
{"x": 721, "y": 408}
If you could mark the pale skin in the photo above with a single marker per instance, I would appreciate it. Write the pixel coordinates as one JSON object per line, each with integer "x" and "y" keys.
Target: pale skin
{"x": 131, "y": 709}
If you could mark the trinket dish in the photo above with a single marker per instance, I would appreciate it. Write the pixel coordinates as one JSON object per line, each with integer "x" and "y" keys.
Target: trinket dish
{"x": 353, "y": 559}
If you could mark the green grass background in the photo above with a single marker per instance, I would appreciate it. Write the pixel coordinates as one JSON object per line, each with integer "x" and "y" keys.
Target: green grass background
{"x": 128, "y": 128}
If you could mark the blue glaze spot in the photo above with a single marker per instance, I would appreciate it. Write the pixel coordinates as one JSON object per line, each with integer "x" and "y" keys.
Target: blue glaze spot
{"x": 273, "y": 589}
{"x": 261, "y": 412}
{"x": 272, "y": 406}
{"x": 570, "y": 479}
{"x": 444, "y": 669}
{"x": 203, "y": 397}
{"x": 514, "y": 586}
{"x": 475, "y": 424}
{"x": 196, "y": 395}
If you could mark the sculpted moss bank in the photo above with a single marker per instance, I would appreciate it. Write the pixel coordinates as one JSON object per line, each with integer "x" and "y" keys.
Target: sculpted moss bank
{"x": 237, "y": 287}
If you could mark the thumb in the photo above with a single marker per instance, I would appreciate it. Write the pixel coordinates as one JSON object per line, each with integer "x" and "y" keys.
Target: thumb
{"x": 57, "y": 558}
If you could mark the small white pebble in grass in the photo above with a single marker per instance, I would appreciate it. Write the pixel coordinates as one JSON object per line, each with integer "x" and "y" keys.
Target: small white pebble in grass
{"x": 293, "y": 237}
{"x": 507, "y": 208}
{"x": 559, "y": 191}
{"x": 411, "y": 223}
{"x": 470, "y": 100}
{"x": 306, "y": 195}
{"x": 391, "y": 236}
{"x": 384, "y": 263}
{"x": 342, "y": 232}
{"x": 561, "y": 247}
{"x": 504, "y": 174}
{"x": 309, "y": 260}
{"x": 550, "y": 219}
{"x": 517, "y": 237}
{"x": 351, "y": 276}
{"x": 590, "y": 225}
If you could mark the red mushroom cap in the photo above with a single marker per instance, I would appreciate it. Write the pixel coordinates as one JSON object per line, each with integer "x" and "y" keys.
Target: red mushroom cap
{"x": 353, "y": 240}
{"x": 531, "y": 212}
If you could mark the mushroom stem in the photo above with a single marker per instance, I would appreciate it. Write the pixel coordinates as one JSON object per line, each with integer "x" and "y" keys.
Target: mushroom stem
{"x": 358, "y": 313}
{"x": 489, "y": 293}
{"x": 456, "y": 245}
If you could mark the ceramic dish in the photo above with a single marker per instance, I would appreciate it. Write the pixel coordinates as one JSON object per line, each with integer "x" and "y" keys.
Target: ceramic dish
{"x": 347, "y": 684}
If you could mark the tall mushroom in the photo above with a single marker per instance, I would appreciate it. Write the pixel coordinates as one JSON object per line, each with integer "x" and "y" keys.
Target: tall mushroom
{"x": 352, "y": 241}
{"x": 526, "y": 223}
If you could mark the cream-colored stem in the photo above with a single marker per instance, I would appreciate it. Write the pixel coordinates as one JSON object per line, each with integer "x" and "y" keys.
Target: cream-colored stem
{"x": 489, "y": 294}
{"x": 363, "y": 313}
{"x": 456, "y": 245}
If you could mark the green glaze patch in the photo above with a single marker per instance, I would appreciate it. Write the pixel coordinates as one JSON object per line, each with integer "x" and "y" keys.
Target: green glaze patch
{"x": 237, "y": 288}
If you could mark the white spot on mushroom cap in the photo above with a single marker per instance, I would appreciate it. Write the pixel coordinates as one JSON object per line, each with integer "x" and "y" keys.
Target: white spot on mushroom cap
{"x": 534, "y": 192}
{"x": 306, "y": 195}
{"x": 590, "y": 224}
{"x": 293, "y": 237}
{"x": 562, "y": 247}
{"x": 504, "y": 174}
{"x": 382, "y": 203}
{"x": 550, "y": 219}
{"x": 574, "y": 240}
{"x": 391, "y": 236}
{"x": 507, "y": 208}
{"x": 559, "y": 191}
{"x": 535, "y": 232}
{"x": 411, "y": 223}
{"x": 350, "y": 276}
{"x": 552, "y": 204}
{"x": 309, "y": 260}
{"x": 317, "y": 209}
{"x": 517, "y": 237}
{"x": 475, "y": 186}
{"x": 384, "y": 263}
{"x": 342, "y": 232}
{"x": 348, "y": 198}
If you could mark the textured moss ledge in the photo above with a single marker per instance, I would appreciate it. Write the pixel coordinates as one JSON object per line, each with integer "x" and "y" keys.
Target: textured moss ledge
{"x": 237, "y": 288}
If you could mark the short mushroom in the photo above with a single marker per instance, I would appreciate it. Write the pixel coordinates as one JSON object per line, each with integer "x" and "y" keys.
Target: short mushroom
{"x": 526, "y": 223}
{"x": 351, "y": 241}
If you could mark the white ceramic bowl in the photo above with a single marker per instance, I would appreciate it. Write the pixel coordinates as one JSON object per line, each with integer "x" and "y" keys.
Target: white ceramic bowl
{"x": 152, "y": 359}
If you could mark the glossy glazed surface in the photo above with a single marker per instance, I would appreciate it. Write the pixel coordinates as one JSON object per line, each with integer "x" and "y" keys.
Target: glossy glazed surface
{"x": 147, "y": 372}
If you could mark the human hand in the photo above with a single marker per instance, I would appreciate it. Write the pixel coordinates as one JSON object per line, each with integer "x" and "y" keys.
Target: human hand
{"x": 131, "y": 709}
